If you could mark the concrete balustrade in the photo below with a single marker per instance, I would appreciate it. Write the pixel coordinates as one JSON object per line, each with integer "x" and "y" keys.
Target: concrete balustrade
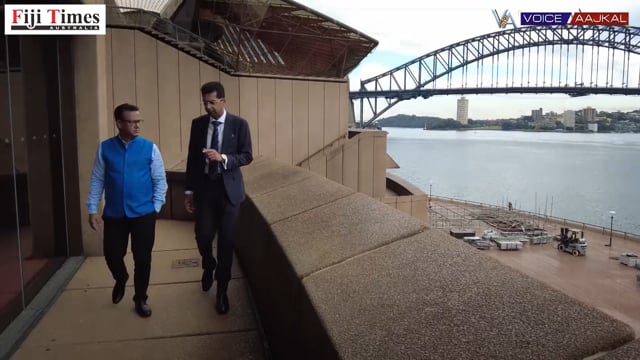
{"x": 338, "y": 274}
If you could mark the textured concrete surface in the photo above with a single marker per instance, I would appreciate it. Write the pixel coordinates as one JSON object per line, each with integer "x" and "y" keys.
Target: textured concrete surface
{"x": 269, "y": 175}
{"x": 84, "y": 324}
{"x": 286, "y": 202}
{"x": 433, "y": 297}
{"x": 355, "y": 279}
{"x": 329, "y": 234}
{"x": 628, "y": 352}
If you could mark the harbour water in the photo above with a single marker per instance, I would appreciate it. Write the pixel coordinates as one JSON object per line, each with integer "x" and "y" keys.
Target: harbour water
{"x": 576, "y": 176}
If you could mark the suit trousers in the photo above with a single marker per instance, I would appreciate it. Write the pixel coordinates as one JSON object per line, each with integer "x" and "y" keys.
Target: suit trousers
{"x": 216, "y": 215}
{"x": 116, "y": 241}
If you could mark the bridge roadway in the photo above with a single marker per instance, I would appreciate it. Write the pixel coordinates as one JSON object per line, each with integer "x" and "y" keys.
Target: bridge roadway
{"x": 598, "y": 279}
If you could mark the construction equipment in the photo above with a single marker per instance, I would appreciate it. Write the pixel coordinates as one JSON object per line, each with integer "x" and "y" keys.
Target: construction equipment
{"x": 572, "y": 241}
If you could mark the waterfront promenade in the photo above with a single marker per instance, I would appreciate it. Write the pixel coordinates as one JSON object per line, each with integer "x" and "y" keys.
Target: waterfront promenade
{"x": 598, "y": 279}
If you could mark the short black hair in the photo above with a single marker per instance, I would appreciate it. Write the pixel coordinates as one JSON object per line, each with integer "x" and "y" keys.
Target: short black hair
{"x": 213, "y": 86}
{"x": 122, "y": 108}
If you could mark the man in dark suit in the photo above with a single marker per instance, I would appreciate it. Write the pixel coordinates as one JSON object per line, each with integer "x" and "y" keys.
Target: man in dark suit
{"x": 219, "y": 145}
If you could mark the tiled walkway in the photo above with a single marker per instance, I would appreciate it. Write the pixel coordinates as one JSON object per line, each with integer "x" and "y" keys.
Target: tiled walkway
{"x": 84, "y": 324}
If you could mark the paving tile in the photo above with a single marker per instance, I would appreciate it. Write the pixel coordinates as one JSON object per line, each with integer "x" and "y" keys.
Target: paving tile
{"x": 83, "y": 316}
{"x": 231, "y": 346}
{"x": 94, "y": 272}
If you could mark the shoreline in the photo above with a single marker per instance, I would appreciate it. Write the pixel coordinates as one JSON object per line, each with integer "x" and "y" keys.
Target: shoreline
{"x": 552, "y": 219}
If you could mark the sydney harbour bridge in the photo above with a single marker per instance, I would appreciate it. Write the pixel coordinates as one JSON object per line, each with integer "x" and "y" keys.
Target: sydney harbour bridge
{"x": 573, "y": 60}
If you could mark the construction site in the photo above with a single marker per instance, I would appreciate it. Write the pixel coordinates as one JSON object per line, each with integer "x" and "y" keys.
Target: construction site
{"x": 493, "y": 222}
{"x": 607, "y": 276}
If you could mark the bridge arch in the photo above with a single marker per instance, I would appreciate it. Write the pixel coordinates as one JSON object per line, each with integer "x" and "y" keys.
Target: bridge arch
{"x": 410, "y": 80}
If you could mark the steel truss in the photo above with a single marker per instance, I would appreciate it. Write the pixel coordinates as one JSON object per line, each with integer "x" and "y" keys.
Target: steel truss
{"x": 417, "y": 78}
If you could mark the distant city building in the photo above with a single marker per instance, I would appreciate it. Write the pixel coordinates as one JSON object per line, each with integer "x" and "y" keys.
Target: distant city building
{"x": 536, "y": 115}
{"x": 569, "y": 119}
{"x": 592, "y": 127}
{"x": 463, "y": 111}
{"x": 589, "y": 114}
{"x": 552, "y": 117}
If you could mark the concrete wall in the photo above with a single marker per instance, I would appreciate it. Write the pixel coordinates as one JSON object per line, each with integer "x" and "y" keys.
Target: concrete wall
{"x": 409, "y": 198}
{"x": 414, "y": 205}
{"x": 351, "y": 278}
{"x": 299, "y": 122}
{"x": 92, "y": 120}
{"x": 289, "y": 119}
{"x": 359, "y": 162}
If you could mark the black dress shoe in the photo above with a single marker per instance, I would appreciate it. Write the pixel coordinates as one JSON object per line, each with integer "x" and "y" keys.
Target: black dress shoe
{"x": 207, "y": 280}
{"x": 222, "y": 303}
{"x": 143, "y": 309}
{"x": 118, "y": 290}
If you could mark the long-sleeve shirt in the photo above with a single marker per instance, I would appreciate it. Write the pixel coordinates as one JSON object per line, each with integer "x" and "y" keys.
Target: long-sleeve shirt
{"x": 158, "y": 179}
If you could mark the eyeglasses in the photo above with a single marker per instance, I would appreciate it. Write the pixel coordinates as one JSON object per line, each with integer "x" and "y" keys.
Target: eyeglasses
{"x": 133, "y": 122}
{"x": 212, "y": 102}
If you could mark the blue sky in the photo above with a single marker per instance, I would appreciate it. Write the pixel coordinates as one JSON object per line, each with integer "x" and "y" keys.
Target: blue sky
{"x": 407, "y": 29}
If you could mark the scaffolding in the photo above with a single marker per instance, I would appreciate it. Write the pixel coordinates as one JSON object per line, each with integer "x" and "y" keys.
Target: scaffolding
{"x": 509, "y": 223}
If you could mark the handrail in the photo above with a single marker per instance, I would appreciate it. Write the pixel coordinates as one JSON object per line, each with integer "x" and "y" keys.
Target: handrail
{"x": 623, "y": 234}
{"x": 120, "y": 16}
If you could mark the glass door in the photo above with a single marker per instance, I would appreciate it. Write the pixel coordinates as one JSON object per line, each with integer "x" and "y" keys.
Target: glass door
{"x": 11, "y": 296}
{"x": 36, "y": 102}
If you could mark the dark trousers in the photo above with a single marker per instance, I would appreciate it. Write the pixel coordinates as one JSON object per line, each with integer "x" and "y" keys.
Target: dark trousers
{"x": 116, "y": 240}
{"x": 216, "y": 215}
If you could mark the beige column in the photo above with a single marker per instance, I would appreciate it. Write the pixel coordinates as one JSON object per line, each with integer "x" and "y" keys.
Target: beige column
{"x": 92, "y": 121}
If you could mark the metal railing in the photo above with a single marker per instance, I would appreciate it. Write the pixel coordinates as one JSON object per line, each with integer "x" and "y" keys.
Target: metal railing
{"x": 605, "y": 230}
{"x": 150, "y": 22}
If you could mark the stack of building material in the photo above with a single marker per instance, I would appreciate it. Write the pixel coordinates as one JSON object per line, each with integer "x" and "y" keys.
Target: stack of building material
{"x": 508, "y": 244}
{"x": 630, "y": 259}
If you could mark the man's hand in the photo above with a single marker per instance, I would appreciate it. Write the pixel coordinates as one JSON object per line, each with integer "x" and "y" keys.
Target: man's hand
{"x": 188, "y": 203}
{"x": 212, "y": 154}
{"x": 94, "y": 221}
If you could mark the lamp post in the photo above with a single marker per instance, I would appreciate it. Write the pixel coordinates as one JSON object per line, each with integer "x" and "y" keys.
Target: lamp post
{"x": 611, "y": 231}
{"x": 430, "y": 184}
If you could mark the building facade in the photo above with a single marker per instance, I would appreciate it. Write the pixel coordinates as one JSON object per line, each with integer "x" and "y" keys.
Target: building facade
{"x": 589, "y": 114}
{"x": 57, "y": 95}
{"x": 536, "y": 116}
{"x": 462, "y": 115}
{"x": 569, "y": 119}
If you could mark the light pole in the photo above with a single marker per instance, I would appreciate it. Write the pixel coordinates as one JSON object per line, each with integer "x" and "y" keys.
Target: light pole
{"x": 430, "y": 184}
{"x": 611, "y": 231}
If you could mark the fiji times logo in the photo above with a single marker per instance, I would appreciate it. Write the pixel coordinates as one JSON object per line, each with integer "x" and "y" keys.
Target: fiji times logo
{"x": 58, "y": 19}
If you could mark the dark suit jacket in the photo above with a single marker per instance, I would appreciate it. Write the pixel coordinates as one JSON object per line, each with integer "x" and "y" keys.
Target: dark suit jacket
{"x": 236, "y": 145}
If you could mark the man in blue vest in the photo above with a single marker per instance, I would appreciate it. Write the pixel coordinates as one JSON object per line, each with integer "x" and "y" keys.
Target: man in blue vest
{"x": 219, "y": 144}
{"x": 130, "y": 171}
